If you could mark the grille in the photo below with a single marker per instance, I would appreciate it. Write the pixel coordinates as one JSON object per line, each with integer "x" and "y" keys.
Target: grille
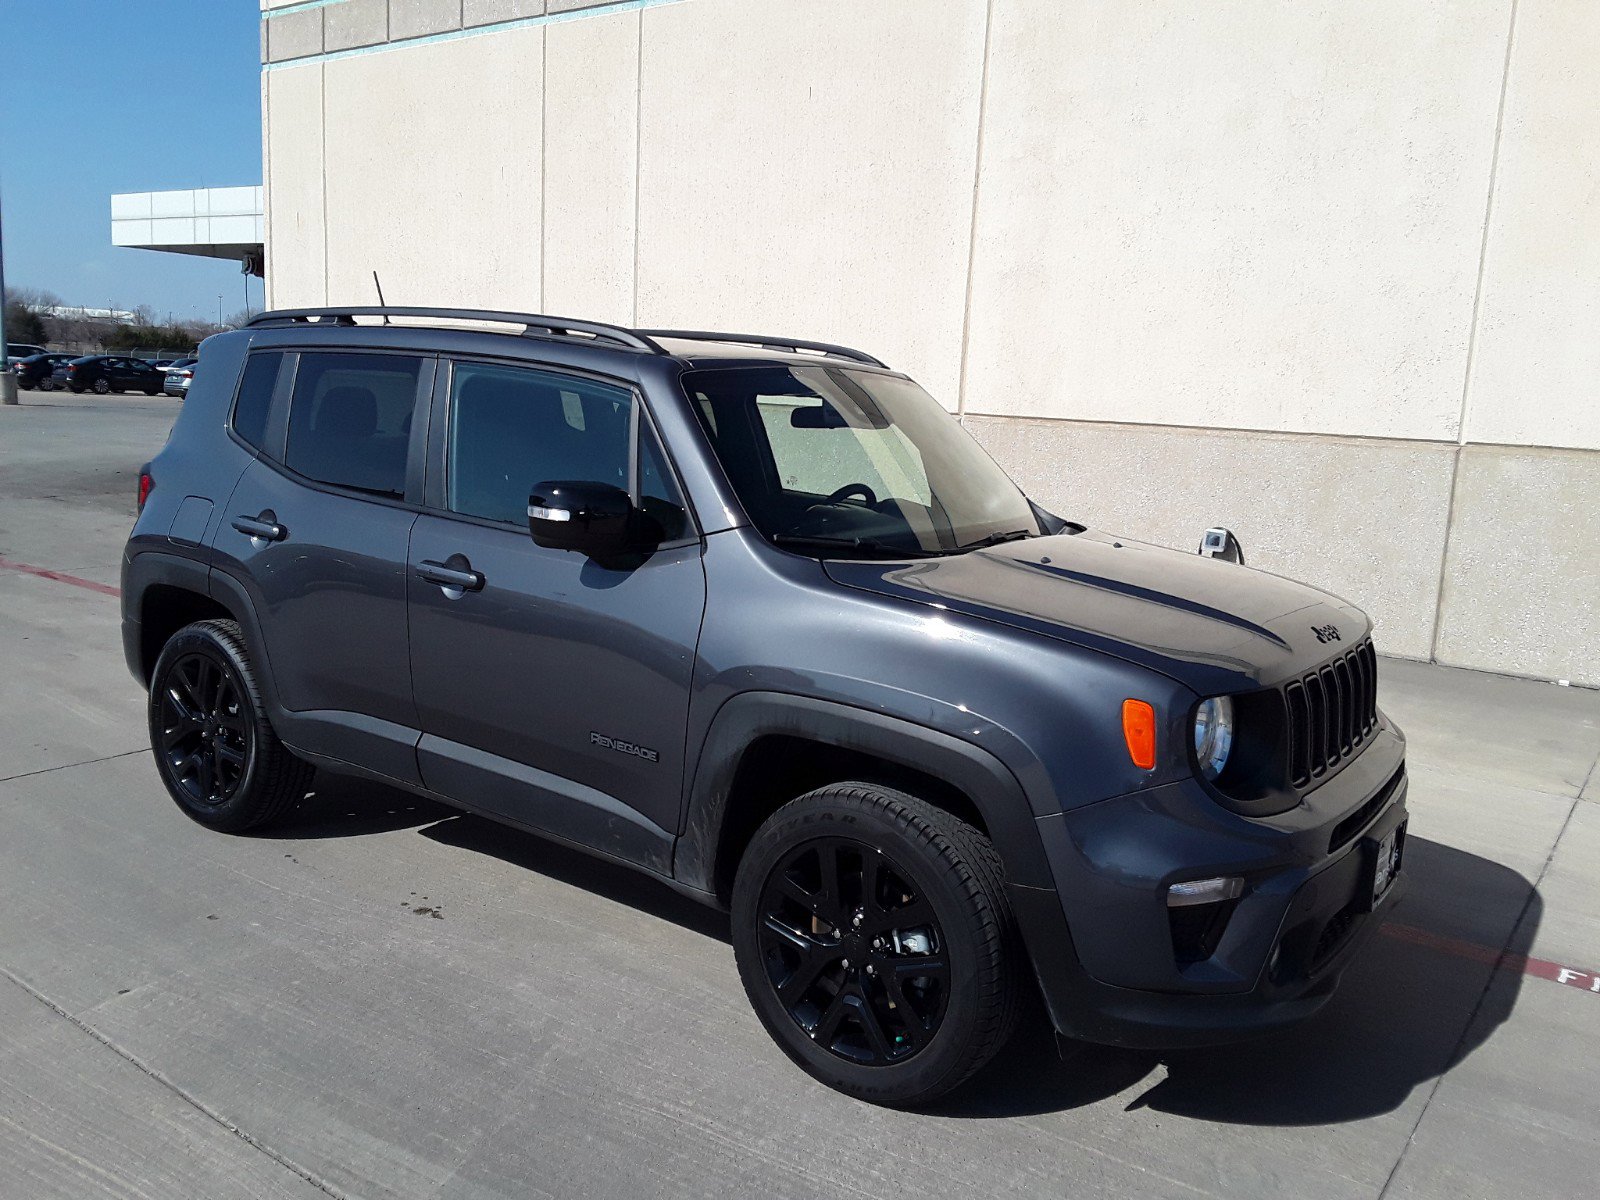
{"x": 1332, "y": 713}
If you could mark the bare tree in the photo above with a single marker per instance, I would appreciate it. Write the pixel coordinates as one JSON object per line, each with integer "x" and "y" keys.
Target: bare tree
{"x": 34, "y": 298}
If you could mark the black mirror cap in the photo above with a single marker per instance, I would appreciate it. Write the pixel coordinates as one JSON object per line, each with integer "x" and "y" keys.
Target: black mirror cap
{"x": 1219, "y": 542}
{"x": 596, "y": 519}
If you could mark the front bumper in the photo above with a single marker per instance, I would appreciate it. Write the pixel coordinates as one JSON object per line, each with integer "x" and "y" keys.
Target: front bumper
{"x": 1112, "y": 972}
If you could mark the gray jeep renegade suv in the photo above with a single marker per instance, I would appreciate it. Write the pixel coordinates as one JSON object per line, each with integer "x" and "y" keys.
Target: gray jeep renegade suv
{"x": 759, "y": 618}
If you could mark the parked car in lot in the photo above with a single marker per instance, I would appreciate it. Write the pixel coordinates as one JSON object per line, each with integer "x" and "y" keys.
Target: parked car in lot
{"x": 105, "y": 373}
{"x": 760, "y": 619}
{"x": 38, "y": 370}
{"x": 16, "y": 350}
{"x": 179, "y": 374}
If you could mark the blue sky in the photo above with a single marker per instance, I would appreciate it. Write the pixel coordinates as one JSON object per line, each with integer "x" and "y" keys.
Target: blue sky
{"x": 103, "y": 96}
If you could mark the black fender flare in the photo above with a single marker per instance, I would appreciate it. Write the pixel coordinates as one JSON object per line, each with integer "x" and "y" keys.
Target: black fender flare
{"x": 982, "y": 777}
{"x": 231, "y": 594}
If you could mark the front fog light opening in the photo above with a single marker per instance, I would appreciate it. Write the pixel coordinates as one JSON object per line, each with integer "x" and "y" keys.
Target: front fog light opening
{"x": 1213, "y": 735}
{"x": 1198, "y": 912}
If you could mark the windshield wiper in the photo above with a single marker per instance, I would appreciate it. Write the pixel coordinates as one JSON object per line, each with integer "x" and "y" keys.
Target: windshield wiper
{"x": 874, "y": 546}
{"x": 994, "y": 539}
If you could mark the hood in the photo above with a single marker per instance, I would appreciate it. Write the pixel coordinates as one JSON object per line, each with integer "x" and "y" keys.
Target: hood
{"x": 1214, "y": 626}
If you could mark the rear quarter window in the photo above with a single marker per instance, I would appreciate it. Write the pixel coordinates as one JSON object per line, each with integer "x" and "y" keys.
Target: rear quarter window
{"x": 251, "y": 406}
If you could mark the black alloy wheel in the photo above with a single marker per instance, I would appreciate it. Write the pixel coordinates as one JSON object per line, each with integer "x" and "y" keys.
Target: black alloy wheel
{"x": 214, "y": 746}
{"x": 854, "y": 951}
{"x": 875, "y": 942}
{"x": 205, "y": 738}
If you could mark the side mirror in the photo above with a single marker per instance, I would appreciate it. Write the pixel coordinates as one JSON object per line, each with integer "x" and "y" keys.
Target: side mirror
{"x": 1220, "y": 543}
{"x": 595, "y": 519}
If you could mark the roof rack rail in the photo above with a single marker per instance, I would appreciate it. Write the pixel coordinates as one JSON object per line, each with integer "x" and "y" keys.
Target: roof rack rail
{"x": 768, "y": 343}
{"x": 532, "y": 324}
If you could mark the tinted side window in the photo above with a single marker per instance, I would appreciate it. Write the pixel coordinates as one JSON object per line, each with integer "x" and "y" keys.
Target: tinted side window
{"x": 350, "y": 420}
{"x": 255, "y": 397}
{"x": 511, "y": 428}
{"x": 659, "y": 498}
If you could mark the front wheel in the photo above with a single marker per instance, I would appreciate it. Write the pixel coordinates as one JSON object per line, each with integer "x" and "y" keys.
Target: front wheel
{"x": 46, "y": 384}
{"x": 215, "y": 749}
{"x": 874, "y": 940}
{"x": 101, "y": 387}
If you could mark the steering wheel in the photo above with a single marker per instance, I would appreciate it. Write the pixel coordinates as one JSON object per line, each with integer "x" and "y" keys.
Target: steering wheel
{"x": 853, "y": 489}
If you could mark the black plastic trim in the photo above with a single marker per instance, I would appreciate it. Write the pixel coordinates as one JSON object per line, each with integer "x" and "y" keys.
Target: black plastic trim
{"x": 986, "y": 781}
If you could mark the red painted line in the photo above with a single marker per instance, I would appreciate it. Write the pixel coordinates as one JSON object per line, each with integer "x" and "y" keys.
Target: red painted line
{"x": 105, "y": 589}
{"x": 1539, "y": 968}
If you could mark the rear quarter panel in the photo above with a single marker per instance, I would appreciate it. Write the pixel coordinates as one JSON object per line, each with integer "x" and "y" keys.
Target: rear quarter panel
{"x": 195, "y": 471}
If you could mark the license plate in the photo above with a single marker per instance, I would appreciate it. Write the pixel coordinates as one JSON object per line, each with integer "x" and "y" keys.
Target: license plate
{"x": 1390, "y": 849}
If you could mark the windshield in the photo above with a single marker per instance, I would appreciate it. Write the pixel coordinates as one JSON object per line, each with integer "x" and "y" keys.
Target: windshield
{"x": 845, "y": 463}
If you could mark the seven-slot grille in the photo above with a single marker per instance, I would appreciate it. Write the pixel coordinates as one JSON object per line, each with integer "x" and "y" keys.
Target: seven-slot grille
{"x": 1332, "y": 712}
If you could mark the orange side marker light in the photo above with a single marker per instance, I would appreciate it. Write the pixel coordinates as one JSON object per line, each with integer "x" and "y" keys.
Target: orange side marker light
{"x": 1139, "y": 731}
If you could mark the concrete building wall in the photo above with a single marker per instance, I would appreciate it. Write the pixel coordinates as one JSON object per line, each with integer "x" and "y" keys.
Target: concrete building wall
{"x": 1328, "y": 273}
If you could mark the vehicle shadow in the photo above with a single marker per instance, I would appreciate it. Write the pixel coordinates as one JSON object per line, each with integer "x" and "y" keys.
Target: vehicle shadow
{"x": 556, "y": 861}
{"x": 1408, "y": 1008}
{"x": 344, "y": 806}
{"x": 1415, "y": 1000}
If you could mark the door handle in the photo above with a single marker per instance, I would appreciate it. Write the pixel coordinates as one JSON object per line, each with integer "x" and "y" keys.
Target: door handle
{"x": 261, "y": 527}
{"x": 464, "y": 579}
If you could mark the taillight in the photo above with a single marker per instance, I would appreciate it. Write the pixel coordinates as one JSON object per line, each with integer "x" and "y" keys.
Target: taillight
{"x": 147, "y": 483}
{"x": 72, "y": 369}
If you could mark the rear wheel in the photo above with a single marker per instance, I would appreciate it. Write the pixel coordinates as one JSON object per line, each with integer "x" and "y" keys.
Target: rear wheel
{"x": 875, "y": 943}
{"x": 215, "y": 749}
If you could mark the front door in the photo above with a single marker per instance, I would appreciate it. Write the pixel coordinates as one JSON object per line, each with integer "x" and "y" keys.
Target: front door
{"x": 552, "y": 690}
{"x": 317, "y": 531}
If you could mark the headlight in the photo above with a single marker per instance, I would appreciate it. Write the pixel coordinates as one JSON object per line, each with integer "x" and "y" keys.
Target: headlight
{"x": 1213, "y": 734}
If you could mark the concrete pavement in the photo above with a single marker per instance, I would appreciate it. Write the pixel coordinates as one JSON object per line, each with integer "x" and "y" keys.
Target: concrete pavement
{"x": 385, "y": 998}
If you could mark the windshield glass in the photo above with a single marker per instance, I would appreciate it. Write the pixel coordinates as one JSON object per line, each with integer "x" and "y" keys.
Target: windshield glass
{"x": 845, "y": 463}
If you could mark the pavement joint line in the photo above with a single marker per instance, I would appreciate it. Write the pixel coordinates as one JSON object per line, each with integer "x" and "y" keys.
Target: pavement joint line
{"x": 88, "y": 762}
{"x": 1589, "y": 778}
{"x": 105, "y": 589}
{"x": 1483, "y": 995}
{"x": 183, "y": 1094}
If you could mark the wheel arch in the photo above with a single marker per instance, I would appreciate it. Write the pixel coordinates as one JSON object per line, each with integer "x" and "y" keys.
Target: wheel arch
{"x": 164, "y": 592}
{"x": 765, "y": 748}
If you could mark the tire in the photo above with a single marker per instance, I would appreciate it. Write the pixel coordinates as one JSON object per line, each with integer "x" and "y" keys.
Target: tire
{"x": 46, "y": 384}
{"x": 936, "y": 958}
{"x": 148, "y": 392}
{"x": 101, "y": 387}
{"x": 215, "y": 750}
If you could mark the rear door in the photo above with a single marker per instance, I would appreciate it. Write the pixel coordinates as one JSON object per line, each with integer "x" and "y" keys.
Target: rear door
{"x": 316, "y": 531}
{"x": 555, "y": 692}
